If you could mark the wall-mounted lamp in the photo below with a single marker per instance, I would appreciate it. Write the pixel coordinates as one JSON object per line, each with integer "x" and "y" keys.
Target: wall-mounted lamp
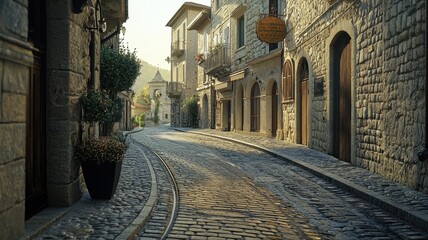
{"x": 78, "y": 5}
{"x": 123, "y": 31}
{"x": 100, "y": 24}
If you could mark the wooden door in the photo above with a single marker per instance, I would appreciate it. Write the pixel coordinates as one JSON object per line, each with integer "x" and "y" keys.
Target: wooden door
{"x": 304, "y": 77}
{"x": 345, "y": 104}
{"x": 304, "y": 112}
{"x": 35, "y": 161}
{"x": 274, "y": 109}
{"x": 342, "y": 92}
{"x": 255, "y": 108}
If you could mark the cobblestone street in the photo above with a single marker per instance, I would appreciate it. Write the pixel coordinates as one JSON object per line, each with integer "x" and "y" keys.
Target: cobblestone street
{"x": 226, "y": 191}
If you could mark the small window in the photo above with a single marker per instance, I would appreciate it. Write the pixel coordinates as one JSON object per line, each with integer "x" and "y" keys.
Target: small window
{"x": 273, "y": 7}
{"x": 241, "y": 32}
{"x": 273, "y": 46}
{"x": 218, "y": 4}
{"x": 287, "y": 82}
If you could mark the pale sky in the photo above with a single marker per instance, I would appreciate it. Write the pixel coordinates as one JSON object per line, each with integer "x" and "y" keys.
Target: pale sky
{"x": 146, "y": 30}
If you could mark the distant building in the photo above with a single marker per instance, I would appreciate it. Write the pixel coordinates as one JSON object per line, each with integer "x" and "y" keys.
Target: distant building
{"x": 205, "y": 87}
{"x": 158, "y": 93}
{"x": 184, "y": 68}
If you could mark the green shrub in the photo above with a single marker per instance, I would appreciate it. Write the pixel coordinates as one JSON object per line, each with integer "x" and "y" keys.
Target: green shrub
{"x": 100, "y": 150}
{"x": 98, "y": 107}
{"x": 119, "y": 69}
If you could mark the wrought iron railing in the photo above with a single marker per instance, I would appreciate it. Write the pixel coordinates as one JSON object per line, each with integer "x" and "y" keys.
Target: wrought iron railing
{"x": 218, "y": 60}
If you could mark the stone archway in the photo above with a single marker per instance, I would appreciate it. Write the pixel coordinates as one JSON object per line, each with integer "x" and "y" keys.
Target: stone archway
{"x": 255, "y": 108}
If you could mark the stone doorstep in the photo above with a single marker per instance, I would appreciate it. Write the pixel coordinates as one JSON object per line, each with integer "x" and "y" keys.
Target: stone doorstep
{"x": 400, "y": 210}
{"x": 43, "y": 220}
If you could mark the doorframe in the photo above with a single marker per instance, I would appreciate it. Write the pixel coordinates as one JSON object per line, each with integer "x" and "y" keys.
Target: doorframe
{"x": 348, "y": 28}
{"x": 298, "y": 99}
{"x": 274, "y": 108}
{"x": 36, "y": 154}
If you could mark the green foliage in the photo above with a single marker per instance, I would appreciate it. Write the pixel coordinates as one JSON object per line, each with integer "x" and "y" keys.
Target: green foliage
{"x": 98, "y": 107}
{"x": 156, "y": 117}
{"x": 190, "y": 106}
{"x": 119, "y": 69}
{"x": 139, "y": 119}
{"x": 143, "y": 98}
{"x": 100, "y": 149}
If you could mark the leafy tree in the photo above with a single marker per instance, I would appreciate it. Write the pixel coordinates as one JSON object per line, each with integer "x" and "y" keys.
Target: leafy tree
{"x": 156, "y": 117}
{"x": 143, "y": 98}
{"x": 190, "y": 106}
{"x": 119, "y": 69}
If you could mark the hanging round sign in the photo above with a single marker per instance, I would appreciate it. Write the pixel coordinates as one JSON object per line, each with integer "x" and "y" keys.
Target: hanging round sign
{"x": 270, "y": 29}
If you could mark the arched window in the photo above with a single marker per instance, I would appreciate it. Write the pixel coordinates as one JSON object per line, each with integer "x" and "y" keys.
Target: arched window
{"x": 287, "y": 82}
{"x": 255, "y": 108}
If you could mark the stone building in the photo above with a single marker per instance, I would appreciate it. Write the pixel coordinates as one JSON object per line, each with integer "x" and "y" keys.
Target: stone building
{"x": 184, "y": 69}
{"x": 247, "y": 71}
{"x": 349, "y": 79}
{"x": 205, "y": 87}
{"x": 355, "y": 82}
{"x": 157, "y": 89}
{"x": 46, "y": 61}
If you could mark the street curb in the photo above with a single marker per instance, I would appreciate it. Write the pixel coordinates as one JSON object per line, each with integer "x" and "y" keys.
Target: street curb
{"x": 138, "y": 223}
{"x": 43, "y": 220}
{"x": 402, "y": 211}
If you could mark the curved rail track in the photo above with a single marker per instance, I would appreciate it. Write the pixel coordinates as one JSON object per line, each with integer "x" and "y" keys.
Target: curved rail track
{"x": 302, "y": 234}
{"x": 173, "y": 183}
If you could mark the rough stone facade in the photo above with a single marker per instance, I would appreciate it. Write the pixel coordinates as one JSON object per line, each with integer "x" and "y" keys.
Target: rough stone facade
{"x": 67, "y": 77}
{"x": 387, "y": 81}
{"x": 254, "y": 63}
{"x": 15, "y": 62}
{"x": 59, "y": 63}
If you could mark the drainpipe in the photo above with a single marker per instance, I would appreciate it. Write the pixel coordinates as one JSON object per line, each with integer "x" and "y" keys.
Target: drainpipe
{"x": 92, "y": 61}
{"x": 423, "y": 155}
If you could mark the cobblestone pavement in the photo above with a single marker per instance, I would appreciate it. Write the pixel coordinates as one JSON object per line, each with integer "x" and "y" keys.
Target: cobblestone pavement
{"x": 96, "y": 219}
{"x": 218, "y": 201}
{"x": 411, "y": 204}
{"x": 232, "y": 191}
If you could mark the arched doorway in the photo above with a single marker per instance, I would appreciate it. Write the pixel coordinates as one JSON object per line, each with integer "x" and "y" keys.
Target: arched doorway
{"x": 204, "y": 112}
{"x": 274, "y": 109}
{"x": 303, "y": 79}
{"x": 239, "y": 107}
{"x": 255, "y": 108}
{"x": 341, "y": 89}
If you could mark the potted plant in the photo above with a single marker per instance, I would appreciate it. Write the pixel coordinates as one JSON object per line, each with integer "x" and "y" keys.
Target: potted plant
{"x": 101, "y": 157}
{"x": 200, "y": 58}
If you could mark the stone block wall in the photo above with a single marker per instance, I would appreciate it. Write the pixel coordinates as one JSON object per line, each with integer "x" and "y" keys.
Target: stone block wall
{"x": 404, "y": 63}
{"x": 388, "y": 80}
{"x": 15, "y": 59}
{"x": 68, "y": 72}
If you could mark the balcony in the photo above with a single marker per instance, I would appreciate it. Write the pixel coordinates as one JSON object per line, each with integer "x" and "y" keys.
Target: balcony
{"x": 177, "y": 48}
{"x": 217, "y": 63}
{"x": 174, "y": 89}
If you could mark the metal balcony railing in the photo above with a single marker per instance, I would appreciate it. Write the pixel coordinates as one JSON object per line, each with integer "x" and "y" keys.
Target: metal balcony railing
{"x": 217, "y": 63}
{"x": 174, "y": 89}
{"x": 177, "y": 48}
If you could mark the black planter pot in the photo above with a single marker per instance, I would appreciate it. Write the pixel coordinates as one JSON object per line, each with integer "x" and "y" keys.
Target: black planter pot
{"x": 101, "y": 179}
